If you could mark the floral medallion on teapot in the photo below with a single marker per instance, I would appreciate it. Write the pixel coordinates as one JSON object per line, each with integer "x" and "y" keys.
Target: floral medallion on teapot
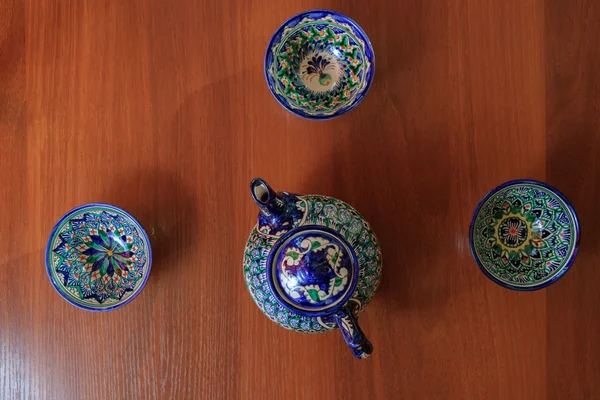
{"x": 329, "y": 253}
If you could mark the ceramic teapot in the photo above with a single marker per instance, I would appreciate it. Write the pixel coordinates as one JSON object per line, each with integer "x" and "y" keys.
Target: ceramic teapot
{"x": 312, "y": 263}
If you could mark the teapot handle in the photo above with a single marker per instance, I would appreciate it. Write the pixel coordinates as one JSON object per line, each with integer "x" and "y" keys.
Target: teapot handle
{"x": 353, "y": 335}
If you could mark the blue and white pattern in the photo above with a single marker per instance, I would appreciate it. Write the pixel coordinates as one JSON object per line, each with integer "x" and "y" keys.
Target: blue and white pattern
{"x": 319, "y": 64}
{"x": 313, "y": 269}
{"x": 98, "y": 257}
{"x": 348, "y": 227}
{"x": 524, "y": 235}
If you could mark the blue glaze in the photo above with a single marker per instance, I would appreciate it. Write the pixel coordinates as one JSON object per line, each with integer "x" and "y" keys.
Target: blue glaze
{"x": 550, "y": 189}
{"x": 353, "y": 335}
{"x": 312, "y": 263}
{"x": 313, "y": 269}
{"x": 315, "y": 15}
{"x": 318, "y": 272}
{"x": 279, "y": 211}
{"x": 113, "y": 242}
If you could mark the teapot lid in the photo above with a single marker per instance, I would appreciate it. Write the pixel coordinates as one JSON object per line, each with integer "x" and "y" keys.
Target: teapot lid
{"x": 312, "y": 270}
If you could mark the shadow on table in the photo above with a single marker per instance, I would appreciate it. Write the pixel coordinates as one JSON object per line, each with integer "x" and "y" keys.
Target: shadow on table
{"x": 199, "y": 198}
{"x": 189, "y": 179}
{"x": 578, "y": 181}
{"x": 167, "y": 210}
{"x": 393, "y": 169}
{"x": 402, "y": 192}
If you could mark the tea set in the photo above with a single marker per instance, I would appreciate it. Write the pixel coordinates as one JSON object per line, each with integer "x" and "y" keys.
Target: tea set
{"x": 312, "y": 263}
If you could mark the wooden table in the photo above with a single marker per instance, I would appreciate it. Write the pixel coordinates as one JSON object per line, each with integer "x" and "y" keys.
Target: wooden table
{"x": 160, "y": 107}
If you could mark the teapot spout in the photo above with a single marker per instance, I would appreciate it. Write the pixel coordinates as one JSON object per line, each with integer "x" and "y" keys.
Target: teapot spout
{"x": 265, "y": 197}
{"x": 279, "y": 211}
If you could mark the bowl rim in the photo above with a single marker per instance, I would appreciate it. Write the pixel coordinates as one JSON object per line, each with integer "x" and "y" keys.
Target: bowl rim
{"x": 48, "y": 264}
{"x": 567, "y": 265}
{"x": 345, "y": 19}
{"x": 270, "y": 279}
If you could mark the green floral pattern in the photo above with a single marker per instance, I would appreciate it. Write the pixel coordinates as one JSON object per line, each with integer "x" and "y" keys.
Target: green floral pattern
{"x": 524, "y": 235}
{"x": 334, "y": 214}
{"x": 319, "y": 66}
{"x": 98, "y": 258}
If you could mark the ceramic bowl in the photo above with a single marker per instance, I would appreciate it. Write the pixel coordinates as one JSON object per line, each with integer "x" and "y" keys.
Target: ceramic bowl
{"x": 98, "y": 257}
{"x": 319, "y": 64}
{"x": 524, "y": 235}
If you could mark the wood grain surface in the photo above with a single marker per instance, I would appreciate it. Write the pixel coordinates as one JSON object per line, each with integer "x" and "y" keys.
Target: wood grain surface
{"x": 160, "y": 107}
